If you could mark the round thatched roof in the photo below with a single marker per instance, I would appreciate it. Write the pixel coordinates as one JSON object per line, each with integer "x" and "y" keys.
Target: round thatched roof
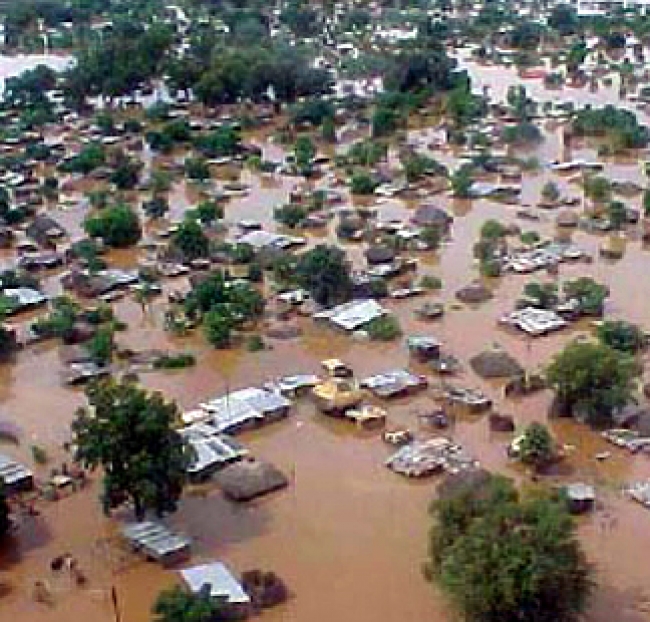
{"x": 474, "y": 293}
{"x": 495, "y": 363}
{"x": 567, "y": 218}
{"x": 248, "y": 479}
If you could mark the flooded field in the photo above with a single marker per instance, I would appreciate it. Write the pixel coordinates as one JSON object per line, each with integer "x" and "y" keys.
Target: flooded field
{"x": 348, "y": 536}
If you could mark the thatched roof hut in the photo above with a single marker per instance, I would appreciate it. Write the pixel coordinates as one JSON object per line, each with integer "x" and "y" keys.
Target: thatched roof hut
{"x": 474, "y": 293}
{"x": 249, "y": 479}
{"x": 495, "y": 363}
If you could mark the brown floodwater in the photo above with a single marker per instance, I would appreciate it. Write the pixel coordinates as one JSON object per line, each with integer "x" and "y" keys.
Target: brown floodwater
{"x": 348, "y": 536}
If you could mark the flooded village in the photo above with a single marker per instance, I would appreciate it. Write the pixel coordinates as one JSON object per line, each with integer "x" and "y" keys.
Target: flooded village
{"x": 305, "y": 270}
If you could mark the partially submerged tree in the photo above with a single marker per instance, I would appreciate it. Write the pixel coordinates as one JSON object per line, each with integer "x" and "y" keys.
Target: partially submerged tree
{"x": 591, "y": 380}
{"x": 502, "y": 558}
{"x": 324, "y": 272}
{"x": 621, "y": 335}
{"x": 179, "y": 605}
{"x": 130, "y": 434}
{"x": 537, "y": 447}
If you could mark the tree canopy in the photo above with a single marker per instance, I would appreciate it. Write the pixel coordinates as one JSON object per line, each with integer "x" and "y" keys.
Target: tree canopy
{"x": 504, "y": 558}
{"x": 591, "y": 380}
{"x": 118, "y": 226}
{"x": 130, "y": 434}
{"x": 324, "y": 272}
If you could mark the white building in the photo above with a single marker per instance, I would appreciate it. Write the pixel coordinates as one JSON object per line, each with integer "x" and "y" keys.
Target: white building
{"x": 588, "y": 8}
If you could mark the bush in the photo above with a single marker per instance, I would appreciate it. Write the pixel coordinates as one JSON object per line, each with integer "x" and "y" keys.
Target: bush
{"x": 255, "y": 343}
{"x": 117, "y": 226}
{"x": 428, "y": 281}
{"x": 362, "y": 183}
{"x": 175, "y": 361}
{"x": 385, "y": 328}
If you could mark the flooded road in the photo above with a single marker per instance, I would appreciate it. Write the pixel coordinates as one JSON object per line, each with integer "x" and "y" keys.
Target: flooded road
{"x": 348, "y": 536}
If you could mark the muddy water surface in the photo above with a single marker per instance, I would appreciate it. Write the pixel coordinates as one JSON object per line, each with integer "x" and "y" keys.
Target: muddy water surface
{"x": 348, "y": 536}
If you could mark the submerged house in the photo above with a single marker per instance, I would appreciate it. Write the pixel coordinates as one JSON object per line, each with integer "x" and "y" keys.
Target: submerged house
{"x": 45, "y": 231}
{"x": 352, "y": 315}
{"x": 212, "y": 450}
{"x": 155, "y": 541}
{"x": 220, "y": 583}
{"x": 15, "y": 476}
{"x": 246, "y": 408}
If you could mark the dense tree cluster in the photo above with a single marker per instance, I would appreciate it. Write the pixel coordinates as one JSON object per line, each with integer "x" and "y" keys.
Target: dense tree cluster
{"x": 503, "y": 557}
{"x": 591, "y": 381}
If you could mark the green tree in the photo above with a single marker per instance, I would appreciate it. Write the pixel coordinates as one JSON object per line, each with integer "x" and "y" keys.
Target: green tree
{"x": 130, "y": 434}
{"x": 208, "y": 212}
{"x": 217, "y": 327}
{"x": 537, "y": 447}
{"x": 492, "y": 230}
{"x": 126, "y": 171}
{"x": 325, "y": 273}
{"x": 621, "y": 335}
{"x": 589, "y": 295}
{"x": 362, "y": 183}
{"x": 117, "y": 226}
{"x": 156, "y": 207}
{"x": 542, "y": 295}
{"x": 591, "y": 380}
{"x": 190, "y": 240}
{"x": 384, "y": 122}
{"x": 100, "y": 347}
{"x": 197, "y": 169}
{"x": 179, "y": 605}
{"x": 564, "y": 19}
{"x": 616, "y": 214}
{"x": 304, "y": 152}
{"x": 461, "y": 182}
{"x": 505, "y": 559}
{"x": 551, "y": 192}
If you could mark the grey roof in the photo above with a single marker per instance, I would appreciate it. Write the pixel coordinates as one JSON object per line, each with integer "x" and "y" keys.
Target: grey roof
{"x": 246, "y": 405}
{"x": 14, "y": 474}
{"x": 221, "y": 581}
{"x": 155, "y": 539}
{"x": 211, "y": 449}
{"x": 392, "y": 382}
{"x": 353, "y": 315}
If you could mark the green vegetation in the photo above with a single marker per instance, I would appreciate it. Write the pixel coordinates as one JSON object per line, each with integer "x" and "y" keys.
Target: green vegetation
{"x": 536, "y": 573}
{"x": 190, "y": 241}
{"x": 117, "y": 226}
{"x": 223, "y": 306}
{"x": 541, "y": 295}
{"x": 591, "y": 381}
{"x": 39, "y": 455}
{"x": 129, "y": 433}
{"x": 537, "y": 447}
{"x": 363, "y": 183}
{"x": 461, "y": 182}
{"x": 325, "y": 273}
{"x": 551, "y": 192}
{"x": 621, "y": 335}
{"x": 100, "y": 347}
{"x": 178, "y": 605}
{"x": 428, "y": 281}
{"x": 589, "y": 295}
{"x": 384, "y": 328}
{"x": 175, "y": 361}
{"x": 620, "y": 127}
